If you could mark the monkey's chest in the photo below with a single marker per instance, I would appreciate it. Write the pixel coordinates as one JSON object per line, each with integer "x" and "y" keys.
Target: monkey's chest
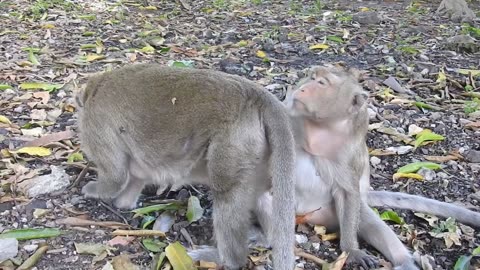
{"x": 311, "y": 190}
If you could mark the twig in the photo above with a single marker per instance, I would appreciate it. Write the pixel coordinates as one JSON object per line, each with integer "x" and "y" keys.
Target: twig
{"x": 80, "y": 176}
{"x": 138, "y": 233}
{"x": 115, "y": 212}
{"x": 81, "y": 166}
{"x": 310, "y": 257}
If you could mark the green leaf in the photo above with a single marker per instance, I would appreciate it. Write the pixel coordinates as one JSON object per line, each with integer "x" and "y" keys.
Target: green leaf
{"x": 476, "y": 251}
{"x": 178, "y": 257}
{"x": 153, "y": 245}
{"x": 88, "y": 17}
{"x": 75, "y": 157}
{"x": 463, "y": 263}
{"x": 423, "y": 105}
{"x": 194, "y": 209}
{"x": 26, "y": 234}
{"x": 88, "y": 46}
{"x": 161, "y": 259}
{"x": 335, "y": 39}
{"x": 37, "y": 85}
{"x": 147, "y": 220}
{"x": 32, "y": 58}
{"x": 414, "y": 167}
{"x": 147, "y": 49}
{"x": 155, "y": 208}
{"x": 181, "y": 63}
{"x": 427, "y": 135}
{"x": 5, "y": 87}
{"x": 392, "y": 216}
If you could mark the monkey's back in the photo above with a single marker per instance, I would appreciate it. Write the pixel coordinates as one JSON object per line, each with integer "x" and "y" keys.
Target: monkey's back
{"x": 152, "y": 111}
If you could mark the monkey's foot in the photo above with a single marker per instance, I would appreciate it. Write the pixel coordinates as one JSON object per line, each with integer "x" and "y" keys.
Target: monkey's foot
{"x": 124, "y": 202}
{"x": 101, "y": 190}
{"x": 361, "y": 258}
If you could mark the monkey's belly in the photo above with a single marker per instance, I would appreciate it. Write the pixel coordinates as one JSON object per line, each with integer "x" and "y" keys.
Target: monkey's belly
{"x": 311, "y": 192}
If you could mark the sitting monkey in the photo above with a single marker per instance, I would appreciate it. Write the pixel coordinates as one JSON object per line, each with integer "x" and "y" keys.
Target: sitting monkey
{"x": 333, "y": 178}
{"x": 148, "y": 124}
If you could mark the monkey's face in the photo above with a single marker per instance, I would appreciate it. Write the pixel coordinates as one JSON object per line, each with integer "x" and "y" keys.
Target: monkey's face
{"x": 327, "y": 94}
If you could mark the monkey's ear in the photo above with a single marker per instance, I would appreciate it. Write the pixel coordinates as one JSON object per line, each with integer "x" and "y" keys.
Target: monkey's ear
{"x": 359, "y": 100}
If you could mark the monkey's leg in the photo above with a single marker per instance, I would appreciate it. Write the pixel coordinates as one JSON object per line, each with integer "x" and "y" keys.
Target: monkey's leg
{"x": 104, "y": 188}
{"x": 377, "y": 233}
{"x": 234, "y": 198}
{"x": 348, "y": 208}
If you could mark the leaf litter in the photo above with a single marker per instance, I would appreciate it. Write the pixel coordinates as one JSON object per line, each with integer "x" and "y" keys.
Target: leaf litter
{"x": 417, "y": 77}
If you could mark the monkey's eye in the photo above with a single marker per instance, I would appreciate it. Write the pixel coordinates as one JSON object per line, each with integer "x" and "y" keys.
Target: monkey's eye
{"x": 322, "y": 82}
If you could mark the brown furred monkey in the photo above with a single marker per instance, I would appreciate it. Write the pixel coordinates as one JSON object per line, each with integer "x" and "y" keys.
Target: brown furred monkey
{"x": 148, "y": 124}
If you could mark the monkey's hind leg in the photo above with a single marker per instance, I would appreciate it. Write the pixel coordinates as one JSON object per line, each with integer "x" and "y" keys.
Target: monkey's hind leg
{"x": 233, "y": 200}
{"x": 128, "y": 197}
{"x": 377, "y": 233}
{"x": 111, "y": 166}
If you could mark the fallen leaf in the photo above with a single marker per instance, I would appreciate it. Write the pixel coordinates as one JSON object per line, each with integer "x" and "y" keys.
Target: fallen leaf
{"x": 339, "y": 262}
{"x": 473, "y": 125}
{"x": 45, "y": 96}
{"x": 329, "y": 236}
{"x": 33, "y": 151}
{"x": 319, "y": 47}
{"x": 27, "y": 234}
{"x": 94, "y": 57}
{"x": 392, "y": 216}
{"x": 178, "y": 257}
{"x": 261, "y": 54}
{"x": 425, "y": 136}
{"x": 432, "y": 220}
{"x": 153, "y": 245}
{"x": 194, "y": 209}
{"x": 397, "y": 176}
{"x": 414, "y": 167}
{"x": 474, "y": 72}
{"x": 44, "y": 86}
{"x": 155, "y": 208}
{"x": 4, "y": 119}
{"x": 5, "y": 87}
{"x": 53, "y": 137}
{"x": 32, "y": 260}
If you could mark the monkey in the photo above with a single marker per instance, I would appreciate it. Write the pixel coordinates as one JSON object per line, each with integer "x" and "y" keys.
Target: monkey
{"x": 315, "y": 200}
{"x": 152, "y": 124}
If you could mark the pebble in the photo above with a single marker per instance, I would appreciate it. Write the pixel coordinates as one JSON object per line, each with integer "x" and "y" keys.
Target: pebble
{"x": 30, "y": 248}
{"x": 367, "y": 17}
{"x": 472, "y": 156}
{"x": 45, "y": 184}
{"x": 375, "y": 161}
{"x": 8, "y": 248}
{"x": 427, "y": 174}
{"x": 301, "y": 239}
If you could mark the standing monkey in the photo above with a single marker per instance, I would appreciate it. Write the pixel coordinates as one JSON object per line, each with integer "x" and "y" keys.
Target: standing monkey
{"x": 148, "y": 124}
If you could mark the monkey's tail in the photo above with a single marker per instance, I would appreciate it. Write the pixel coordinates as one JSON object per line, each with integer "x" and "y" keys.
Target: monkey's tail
{"x": 282, "y": 162}
{"x": 424, "y": 205}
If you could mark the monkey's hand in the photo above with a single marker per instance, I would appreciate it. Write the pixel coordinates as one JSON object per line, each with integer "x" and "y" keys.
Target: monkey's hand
{"x": 363, "y": 259}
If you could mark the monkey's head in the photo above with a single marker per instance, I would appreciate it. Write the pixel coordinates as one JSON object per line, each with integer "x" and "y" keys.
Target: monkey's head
{"x": 328, "y": 93}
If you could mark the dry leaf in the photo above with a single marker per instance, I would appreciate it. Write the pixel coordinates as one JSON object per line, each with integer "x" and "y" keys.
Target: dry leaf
{"x": 75, "y": 221}
{"x": 441, "y": 158}
{"x": 53, "y": 137}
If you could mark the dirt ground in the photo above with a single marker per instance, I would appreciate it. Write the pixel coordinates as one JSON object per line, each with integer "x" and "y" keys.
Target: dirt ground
{"x": 272, "y": 43}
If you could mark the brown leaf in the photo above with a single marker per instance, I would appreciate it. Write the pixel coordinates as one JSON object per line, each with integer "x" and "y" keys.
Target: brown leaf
{"x": 51, "y": 138}
{"x": 44, "y": 95}
{"x": 121, "y": 240}
{"x": 473, "y": 125}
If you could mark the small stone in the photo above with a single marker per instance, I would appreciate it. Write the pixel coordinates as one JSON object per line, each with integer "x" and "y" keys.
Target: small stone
{"x": 38, "y": 213}
{"x": 472, "y": 156}
{"x": 427, "y": 174}
{"x": 301, "y": 239}
{"x": 372, "y": 115}
{"x": 30, "y": 248}
{"x": 8, "y": 248}
{"x": 46, "y": 184}
{"x": 375, "y": 161}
